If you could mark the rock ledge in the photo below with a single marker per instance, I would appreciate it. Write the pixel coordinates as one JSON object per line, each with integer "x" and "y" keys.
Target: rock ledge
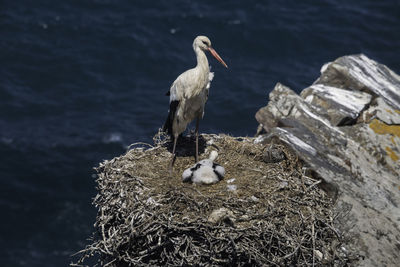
{"x": 346, "y": 128}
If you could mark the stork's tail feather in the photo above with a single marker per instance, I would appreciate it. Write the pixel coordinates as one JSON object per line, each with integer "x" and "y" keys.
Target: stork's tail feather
{"x": 170, "y": 119}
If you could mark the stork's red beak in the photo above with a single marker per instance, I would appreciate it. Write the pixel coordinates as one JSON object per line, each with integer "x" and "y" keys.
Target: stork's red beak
{"x": 215, "y": 54}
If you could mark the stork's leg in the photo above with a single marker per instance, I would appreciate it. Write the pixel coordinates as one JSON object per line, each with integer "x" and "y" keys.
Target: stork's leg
{"x": 197, "y": 140}
{"x": 171, "y": 166}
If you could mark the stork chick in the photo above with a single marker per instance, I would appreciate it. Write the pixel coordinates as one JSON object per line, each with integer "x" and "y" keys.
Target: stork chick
{"x": 205, "y": 171}
{"x": 188, "y": 94}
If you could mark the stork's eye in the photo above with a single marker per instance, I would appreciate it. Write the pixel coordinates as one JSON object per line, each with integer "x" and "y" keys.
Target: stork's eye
{"x": 205, "y": 43}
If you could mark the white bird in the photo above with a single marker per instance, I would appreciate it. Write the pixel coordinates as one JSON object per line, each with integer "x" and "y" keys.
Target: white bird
{"x": 189, "y": 93}
{"x": 205, "y": 171}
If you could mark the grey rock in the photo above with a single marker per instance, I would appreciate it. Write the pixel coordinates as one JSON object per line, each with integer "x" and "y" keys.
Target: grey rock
{"x": 339, "y": 106}
{"x": 358, "y": 72}
{"x": 222, "y": 215}
{"x": 345, "y": 127}
{"x": 267, "y": 118}
{"x": 382, "y": 112}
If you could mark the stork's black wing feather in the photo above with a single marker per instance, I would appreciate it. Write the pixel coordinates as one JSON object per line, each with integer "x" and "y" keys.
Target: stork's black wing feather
{"x": 171, "y": 116}
{"x": 220, "y": 177}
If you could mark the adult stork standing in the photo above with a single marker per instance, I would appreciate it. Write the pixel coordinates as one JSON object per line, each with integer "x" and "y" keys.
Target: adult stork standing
{"x": 189, "y": 93}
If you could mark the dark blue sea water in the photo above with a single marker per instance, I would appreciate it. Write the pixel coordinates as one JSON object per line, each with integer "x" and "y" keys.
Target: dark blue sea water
{"x": 82, "y": 79}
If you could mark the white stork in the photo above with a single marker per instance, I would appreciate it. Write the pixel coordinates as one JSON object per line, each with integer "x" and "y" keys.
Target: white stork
{"x": 189, "y": 93}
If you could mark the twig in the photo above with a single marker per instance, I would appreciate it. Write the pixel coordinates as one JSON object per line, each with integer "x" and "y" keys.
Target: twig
{"x": 314, "y": 184}
{"x": 313, "y": 238}
{"x": 140, "y": 143}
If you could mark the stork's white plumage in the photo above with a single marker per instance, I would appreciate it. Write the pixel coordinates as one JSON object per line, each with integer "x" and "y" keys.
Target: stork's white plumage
{"x": 189, "y": 93}
{"x": 205, "y": 171}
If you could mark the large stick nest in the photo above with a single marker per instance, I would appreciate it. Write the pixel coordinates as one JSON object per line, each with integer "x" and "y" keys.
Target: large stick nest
{"x": 276, "y": 216}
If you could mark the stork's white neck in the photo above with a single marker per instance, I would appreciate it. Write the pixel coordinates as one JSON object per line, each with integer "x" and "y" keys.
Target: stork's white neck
{"x": 202, "y": 61}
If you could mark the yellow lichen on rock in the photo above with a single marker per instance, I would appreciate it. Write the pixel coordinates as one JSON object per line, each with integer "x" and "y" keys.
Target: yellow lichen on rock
{"x": 392, "y": 139}
{"x": 380, "y": 127}
{"x": 392, "y": 154}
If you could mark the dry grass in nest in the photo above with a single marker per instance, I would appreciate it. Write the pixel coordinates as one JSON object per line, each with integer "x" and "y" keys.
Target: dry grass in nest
{"x": 276, "y": 216}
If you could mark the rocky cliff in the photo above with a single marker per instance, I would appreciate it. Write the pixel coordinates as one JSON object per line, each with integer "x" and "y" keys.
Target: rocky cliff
{"x": 346, "y": 128}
